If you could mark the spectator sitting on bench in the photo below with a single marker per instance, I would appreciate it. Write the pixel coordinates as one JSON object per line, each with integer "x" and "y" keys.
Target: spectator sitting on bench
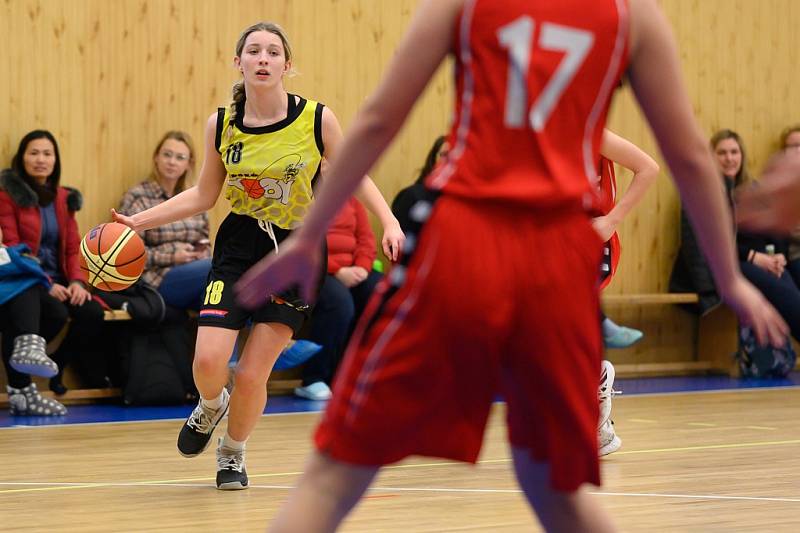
{"x": 407, "y": 197}
{"x": 37, "y": 211}
{"x": 23, "y": 284}
{"x": 761, "y": 258}
{"x": 178, "y": 253}
{"x": 342, "y": 298}
{"x": 644, "y": 169}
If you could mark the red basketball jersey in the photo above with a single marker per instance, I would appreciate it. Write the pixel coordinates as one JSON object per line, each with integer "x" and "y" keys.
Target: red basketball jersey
{"x": 534, "y": 81}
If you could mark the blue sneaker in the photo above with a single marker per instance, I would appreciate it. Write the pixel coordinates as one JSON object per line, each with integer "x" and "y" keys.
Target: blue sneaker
{"x": 296, "y": 353}
{"x": 623, "y": 337}
{"x": 317, "y": 391}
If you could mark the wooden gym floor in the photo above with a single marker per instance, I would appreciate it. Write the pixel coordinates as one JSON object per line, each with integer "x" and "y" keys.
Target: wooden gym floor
{"x": 715, "y": 461}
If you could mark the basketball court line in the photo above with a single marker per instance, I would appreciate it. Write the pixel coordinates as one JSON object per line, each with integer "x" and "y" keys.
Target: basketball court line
{"x": 771, "y": 388}
{"x": 700, "y": 424}
{"x": 439, "y": 490}
{"x": 776, "y": 388}
{"x": 39, "y": 486}
{"x": 710, "y": 447}
{"x": 43, "y": 486}
{"x": 697, "y": 496}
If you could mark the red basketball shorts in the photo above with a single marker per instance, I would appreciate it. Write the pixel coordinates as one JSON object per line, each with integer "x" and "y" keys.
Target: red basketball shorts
{"x": 493, "y": 300}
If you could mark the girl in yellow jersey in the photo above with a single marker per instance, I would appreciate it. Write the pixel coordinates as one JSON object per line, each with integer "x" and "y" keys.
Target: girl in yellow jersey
{"x": 265, "y": 150}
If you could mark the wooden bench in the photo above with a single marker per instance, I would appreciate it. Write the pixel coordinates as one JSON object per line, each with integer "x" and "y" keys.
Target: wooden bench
{"x": 715, "y": 342}
{"x": 650, "y": 299}
{"x": 280, "y": 382}
{"x": 714, "y": 345}
{"x": 74, "y": 395}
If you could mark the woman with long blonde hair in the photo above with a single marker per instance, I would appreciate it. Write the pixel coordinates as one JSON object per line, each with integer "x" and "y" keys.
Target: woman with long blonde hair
{"x": 178, "y": 253}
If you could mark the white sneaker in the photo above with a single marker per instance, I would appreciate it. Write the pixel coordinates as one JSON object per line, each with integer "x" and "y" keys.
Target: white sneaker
{"x": 607, "y": 439}
{"x": 606, "y": 391}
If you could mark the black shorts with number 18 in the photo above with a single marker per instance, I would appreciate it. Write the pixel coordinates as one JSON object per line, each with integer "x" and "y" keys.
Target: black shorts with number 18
{"x": 240, "y": 244}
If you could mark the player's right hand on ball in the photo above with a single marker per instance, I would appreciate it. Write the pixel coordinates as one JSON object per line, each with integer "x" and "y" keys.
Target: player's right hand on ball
{"x": 122, "y": 219}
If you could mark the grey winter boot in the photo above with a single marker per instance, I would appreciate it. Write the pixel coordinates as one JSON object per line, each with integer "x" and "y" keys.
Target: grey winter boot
{"x": 30, "y": 357}
{"x": 28, "y": 402}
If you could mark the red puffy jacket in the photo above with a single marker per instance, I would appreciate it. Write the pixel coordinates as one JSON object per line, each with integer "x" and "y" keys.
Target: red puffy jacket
{"x": 350, "y": 239}
{"x": 21, "y": 221}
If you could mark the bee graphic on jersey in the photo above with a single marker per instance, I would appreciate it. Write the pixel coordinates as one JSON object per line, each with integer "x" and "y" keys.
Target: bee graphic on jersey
{"x": 271, "y": 169}
{"x": 263, "y": 186}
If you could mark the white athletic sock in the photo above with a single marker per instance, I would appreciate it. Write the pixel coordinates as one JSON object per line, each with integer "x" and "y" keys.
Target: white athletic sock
{"x": 236, "y": 445}
{"x": 214, "y": 403}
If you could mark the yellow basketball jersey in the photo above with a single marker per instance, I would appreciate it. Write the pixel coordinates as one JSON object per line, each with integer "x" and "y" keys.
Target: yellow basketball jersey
{"x": 271, "y": 169}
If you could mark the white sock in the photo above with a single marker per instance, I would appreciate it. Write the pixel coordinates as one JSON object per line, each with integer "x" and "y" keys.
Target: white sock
{"x": 236, "y": 445}
{"x": 214, "y": 403}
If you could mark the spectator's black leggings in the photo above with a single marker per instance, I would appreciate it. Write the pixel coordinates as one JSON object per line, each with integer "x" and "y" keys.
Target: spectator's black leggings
{"x": 35, "y": 311}
{"x": 28, "y": 312}
{"x": 781, "y": 293}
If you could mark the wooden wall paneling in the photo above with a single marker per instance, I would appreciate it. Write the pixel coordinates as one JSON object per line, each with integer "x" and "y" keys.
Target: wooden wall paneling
{"x": 738, "y": 60}
{"x": 110, "y": 78}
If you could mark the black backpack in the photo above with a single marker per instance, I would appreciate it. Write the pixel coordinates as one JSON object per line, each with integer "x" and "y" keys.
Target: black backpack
{"x": 156, "y": 363}
{"x": 142, "y": 301}
{"x": 763, "y": 361}
{"x": 155, "y": 347}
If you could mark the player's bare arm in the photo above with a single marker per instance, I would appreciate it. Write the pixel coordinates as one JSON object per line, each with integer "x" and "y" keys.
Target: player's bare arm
{"x": 201, "y": 197}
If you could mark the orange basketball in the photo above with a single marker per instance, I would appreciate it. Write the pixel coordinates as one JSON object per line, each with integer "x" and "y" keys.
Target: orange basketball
{"x": 113, "y": 256}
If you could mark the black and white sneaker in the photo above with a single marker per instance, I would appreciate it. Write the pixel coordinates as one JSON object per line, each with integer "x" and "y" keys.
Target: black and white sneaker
{"x": 196, "y": 432}
{"x": 231, "y": 474}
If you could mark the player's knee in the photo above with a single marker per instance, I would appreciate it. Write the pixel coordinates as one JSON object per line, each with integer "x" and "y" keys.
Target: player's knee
{"x": 249, "y": 379}
{"x": 206, "y": 361}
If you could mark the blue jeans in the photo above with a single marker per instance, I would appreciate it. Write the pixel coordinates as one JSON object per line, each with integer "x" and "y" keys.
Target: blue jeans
{"x": 780, "y": 292}
{"x": 184, "y": 285}
{"x": 335, "y": 314}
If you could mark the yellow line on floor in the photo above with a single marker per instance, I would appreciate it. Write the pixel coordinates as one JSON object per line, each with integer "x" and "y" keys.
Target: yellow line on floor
{"x": 90, "y": 485}
{"x": 711, "y": 447}
{"x": 100, "y": 485}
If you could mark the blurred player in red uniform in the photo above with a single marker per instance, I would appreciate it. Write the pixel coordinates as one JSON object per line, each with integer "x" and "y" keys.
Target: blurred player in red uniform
{"x": 498, "y": 293}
